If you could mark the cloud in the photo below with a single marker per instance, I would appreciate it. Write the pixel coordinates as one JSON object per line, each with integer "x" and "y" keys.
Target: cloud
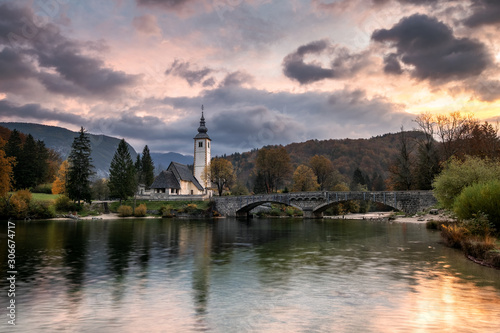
{"x": 147, "y": 24}
{"x": 237, "y": 79}
{"x": 30, "y": 42}
{"x": 487, "y": 90}
{"x": 36, "y": 111}
{"x": 183, "y": 70}
{"x": 343, "y": 64}
{"x": 168, "y": 5}
{"x": 432, "y": 50}
{"x": 485, "y": 12}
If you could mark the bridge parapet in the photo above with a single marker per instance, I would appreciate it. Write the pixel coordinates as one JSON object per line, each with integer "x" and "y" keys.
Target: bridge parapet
{"x": 314, "y": 203}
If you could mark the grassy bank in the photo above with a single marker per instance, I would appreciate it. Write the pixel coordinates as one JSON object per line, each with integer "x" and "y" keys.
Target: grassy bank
{"x": 163, "y": 208}
{"x": 475, "y": 238}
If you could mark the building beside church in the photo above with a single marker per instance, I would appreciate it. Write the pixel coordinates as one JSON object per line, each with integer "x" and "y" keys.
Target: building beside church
{"x": 178, "y": 180}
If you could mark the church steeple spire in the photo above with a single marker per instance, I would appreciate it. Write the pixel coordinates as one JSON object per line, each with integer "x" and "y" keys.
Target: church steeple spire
{"x": 202, "y": 130}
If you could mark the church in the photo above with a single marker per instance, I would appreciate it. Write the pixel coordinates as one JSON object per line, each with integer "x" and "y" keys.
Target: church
{"x": 178, "y": 180}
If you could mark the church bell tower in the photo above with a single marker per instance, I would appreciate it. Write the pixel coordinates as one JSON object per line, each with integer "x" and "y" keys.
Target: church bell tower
{"x": 201, "y": 152}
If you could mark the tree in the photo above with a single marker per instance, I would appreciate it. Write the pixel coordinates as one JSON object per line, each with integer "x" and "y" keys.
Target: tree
{"x": 28, "y": 164}
{"x": 41, "y": 163}
{"x": 358, "y": 182}
{"x": 80, "y": 168}
{"x": 259, "y": 186}
{"x": 122, "y": 173}
{"x": 59, "y": 185}
{"x": 401, "y": 170}
{"x": 220, "y": 172}
{"x": 100, "y": 189}
{"x": 458, "y": 174}
{"x": 427, "y": 163}
{"x": 147, "y": 167}
{"x": 324, "y": 171}
{"x": 304, "y": 179}
{"x": 6, "y": 170}
{"x": 138, "y": 169}
{"x": 274, "y": 166}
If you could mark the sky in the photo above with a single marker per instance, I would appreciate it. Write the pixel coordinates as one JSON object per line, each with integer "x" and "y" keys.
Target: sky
{"x": 266, "y": 72}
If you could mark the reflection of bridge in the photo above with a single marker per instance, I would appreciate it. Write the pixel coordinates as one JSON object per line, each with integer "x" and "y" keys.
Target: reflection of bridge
{"x": 313, "y": 204}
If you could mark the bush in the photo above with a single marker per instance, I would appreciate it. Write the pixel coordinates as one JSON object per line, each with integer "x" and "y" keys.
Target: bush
{"x": 453, "y": 235}
{"x": 477, "y": 247}
{"x": 166, "y": 211}
{"x": 65, "y": 204}
{"x": 140, "y": 210}
{"x": 477, "y": 200}
{"x": 124, "y": 211}
{"x": 43, "y": 188}
{"x": 459, "y": 174}
{"x": 41, "y": 210}
{"x": 23, "y": 195}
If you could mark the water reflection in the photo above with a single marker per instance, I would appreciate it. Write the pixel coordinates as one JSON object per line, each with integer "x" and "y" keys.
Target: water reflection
{"x": 231, "y": 276}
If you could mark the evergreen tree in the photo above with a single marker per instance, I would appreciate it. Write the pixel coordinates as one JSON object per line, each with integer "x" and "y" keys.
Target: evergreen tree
{"x": 42, "y": 163}
{"x": 27, "y": 164}
{"x": 13, "y": 150}
{"x": 80, "y": 169}
{"x": 259, "y": 184}
{"x": 122, "y": 173}
{"x": 147, "y": 168}
{"x": 358, "y": 180}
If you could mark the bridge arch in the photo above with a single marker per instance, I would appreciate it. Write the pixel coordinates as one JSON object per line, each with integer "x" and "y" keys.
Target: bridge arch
{"x": 319, "y": 210}
{"x": 243, "y": 211}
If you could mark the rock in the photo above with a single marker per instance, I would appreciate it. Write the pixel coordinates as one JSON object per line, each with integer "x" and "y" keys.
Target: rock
{"x": 434, "y": 212}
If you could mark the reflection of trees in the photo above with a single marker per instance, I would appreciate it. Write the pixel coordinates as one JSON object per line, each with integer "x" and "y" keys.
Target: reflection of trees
{"x": 75, "y": 251}
{"x": 120, "y": 238}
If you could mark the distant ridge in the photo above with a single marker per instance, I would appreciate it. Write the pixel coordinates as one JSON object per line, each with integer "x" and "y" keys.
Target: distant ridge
{"x": 103, "y": 146}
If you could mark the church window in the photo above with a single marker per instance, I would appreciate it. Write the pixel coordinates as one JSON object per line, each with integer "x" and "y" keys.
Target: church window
{"x": 208, "y": 143}
{"x": 200, "y": 144}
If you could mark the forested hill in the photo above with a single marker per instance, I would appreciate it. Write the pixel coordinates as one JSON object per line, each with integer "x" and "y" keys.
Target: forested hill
{"x": 369, "y": 155}
{"x": 60, "y": 140}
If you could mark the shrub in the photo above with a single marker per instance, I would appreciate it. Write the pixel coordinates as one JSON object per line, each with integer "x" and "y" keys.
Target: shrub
{"x": 457, "y": 175}
{"x": 43, "y": 188}
{"x": 477, "y": 200}
{"x": 17, "y": 208}
{"x": 166, "y": 211}
{"x": 140, "y": 210}
{"x": 41, "y": 210}
{"x": 23, "y": 195}
{"x": 453, "y": 235}
{"x": 477, "y": 247}
{"x": 65, "y": 204}
{"x": 124, "y": 211}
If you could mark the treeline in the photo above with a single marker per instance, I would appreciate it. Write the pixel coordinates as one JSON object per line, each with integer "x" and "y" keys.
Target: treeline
{"x": 419, "y": 161}
{"x": 25, "y": 163}
{"x": 408, "y": 160}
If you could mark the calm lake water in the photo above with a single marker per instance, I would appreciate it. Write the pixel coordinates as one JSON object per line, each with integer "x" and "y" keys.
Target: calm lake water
{"x": 281, "y": 275}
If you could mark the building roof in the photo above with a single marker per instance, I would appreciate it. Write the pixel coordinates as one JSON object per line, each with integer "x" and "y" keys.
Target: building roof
{"x": 202, "y": 130}
{"x": 166, "y": 179}
{"x": 182, "y": 172}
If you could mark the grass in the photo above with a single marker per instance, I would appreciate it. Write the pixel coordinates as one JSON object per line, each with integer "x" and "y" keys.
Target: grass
{"x": 43, "y": 197}
{"x": 156, "y": 205}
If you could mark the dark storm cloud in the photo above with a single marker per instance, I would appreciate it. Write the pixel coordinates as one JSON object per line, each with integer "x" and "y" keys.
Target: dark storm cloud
{"x": 35, "y": 111}
{"x": 392, "y": 65}
{"x": 431, "y": 48}
{"x": 487, "y": 90}
{"x": 343, "y": 64}
{"x": 165, "y": 4}
{"x": 183, "y": 70}
{"x": 236, "y": 79}
{"x": 484, "y": 12}
{"x": 28, "y": 41}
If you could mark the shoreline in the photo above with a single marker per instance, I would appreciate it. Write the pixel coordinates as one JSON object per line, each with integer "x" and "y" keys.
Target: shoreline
{"x": 373, "y": 216}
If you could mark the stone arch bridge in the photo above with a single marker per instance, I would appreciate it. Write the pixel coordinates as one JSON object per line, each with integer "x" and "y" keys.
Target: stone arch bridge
{"x": 313, "y": 204}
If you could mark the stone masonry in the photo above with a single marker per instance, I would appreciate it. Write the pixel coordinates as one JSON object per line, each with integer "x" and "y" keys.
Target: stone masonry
{"x": 313, "y": 204}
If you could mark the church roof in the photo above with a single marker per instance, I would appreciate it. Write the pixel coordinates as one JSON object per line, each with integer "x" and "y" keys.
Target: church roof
{"x": 166, "y": 179}
{"x": 182, "y": 172}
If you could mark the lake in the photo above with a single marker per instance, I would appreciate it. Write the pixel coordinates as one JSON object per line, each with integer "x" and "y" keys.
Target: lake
{"x": 229, "y": 275}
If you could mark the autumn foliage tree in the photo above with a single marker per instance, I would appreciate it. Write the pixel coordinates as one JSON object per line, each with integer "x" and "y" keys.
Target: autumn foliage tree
{"x": 59, "y": 185}
{"x": 6, "y": 170}
{"x": 273, "y": 164}
{"x": 304, "y": 179}
{"x": 220, "y": 172}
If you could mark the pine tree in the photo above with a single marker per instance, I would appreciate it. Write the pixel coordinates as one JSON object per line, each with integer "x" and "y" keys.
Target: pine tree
{"x": 41, "y": 163}
{"x": 80, "y": 169}
{"x": 147, "y": 167}
{"x": 25, "y": 173}
{"x": 122, "y": 173}
{"x": 138, "y": 169}
{"x": 13, "y": 150}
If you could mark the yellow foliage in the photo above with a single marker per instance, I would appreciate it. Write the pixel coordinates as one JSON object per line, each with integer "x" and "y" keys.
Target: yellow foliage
{"x": 6, "y": 164}
{"x": 124, "y": 211}
{"x": 59, "y": 185}
{"x": 304, "y": 179}
{"x": 140, "y": 210}
{"x": 23, "y": 195}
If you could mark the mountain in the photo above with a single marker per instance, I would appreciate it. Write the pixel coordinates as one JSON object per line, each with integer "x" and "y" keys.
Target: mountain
{"x": 60, "y": 139}
{"x": 162, "y": 160}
